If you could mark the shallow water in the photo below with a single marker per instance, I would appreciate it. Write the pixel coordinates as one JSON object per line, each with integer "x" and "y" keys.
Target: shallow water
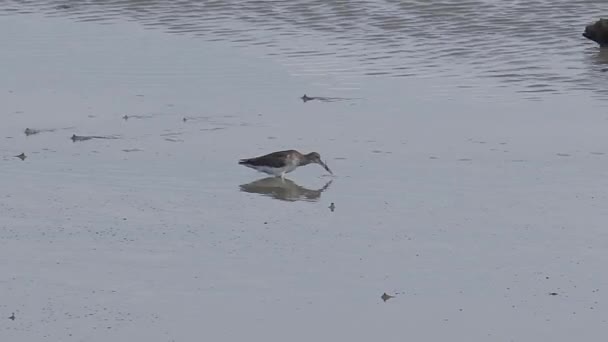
{"x": 534, "y": 46}
{"x": 468, "y": 142}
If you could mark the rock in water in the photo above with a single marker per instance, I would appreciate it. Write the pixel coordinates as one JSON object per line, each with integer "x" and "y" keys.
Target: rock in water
{"x": 386, "y": 296}
{"x": 598, "y": 32}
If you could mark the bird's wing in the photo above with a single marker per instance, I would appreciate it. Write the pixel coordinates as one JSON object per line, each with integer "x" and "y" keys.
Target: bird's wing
{"x": 275, "y": 159}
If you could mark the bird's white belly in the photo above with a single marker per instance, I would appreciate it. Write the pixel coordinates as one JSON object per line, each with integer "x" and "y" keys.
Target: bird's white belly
{"x": 276, "y": 171}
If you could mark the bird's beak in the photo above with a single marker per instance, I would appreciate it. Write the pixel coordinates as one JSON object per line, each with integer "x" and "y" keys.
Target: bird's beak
{"x": 325, "y": 166}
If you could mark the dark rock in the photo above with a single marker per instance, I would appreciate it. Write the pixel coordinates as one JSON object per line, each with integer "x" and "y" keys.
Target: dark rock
{"x": 79, "y": 138}
{"x": 386, "y": 297}
{"x": 598, "y": 32}
{"x": 76, "y": 138}
{"x": 31, "y": 131}
{"x": 307, "y": 98}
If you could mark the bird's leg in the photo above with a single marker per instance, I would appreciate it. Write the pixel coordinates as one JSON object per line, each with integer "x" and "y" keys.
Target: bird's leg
{"x": 283, "y": 176}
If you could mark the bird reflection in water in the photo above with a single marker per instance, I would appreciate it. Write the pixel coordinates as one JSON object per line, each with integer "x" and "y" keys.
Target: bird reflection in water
{"x": 284, "y": 190}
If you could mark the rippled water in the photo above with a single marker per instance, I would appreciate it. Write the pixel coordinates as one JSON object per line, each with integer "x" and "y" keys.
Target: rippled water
{"x": 467, "y": 138}
{"x": 535, "y": 46}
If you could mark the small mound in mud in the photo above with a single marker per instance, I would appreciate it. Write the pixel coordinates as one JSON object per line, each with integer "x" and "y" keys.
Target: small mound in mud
{"x": 89, "y": 137}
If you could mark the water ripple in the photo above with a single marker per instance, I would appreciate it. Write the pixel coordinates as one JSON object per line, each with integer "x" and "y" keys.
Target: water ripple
{"x": 534, "y": 45}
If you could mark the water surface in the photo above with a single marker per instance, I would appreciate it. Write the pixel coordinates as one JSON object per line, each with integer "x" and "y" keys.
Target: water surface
{"x": 469, "y": 146}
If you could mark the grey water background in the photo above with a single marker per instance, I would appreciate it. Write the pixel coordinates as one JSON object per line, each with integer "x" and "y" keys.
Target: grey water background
{"x": 468, "y": 140}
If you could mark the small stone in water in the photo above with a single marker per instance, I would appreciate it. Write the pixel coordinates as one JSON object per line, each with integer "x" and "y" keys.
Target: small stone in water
{"x": 386, "y": 297}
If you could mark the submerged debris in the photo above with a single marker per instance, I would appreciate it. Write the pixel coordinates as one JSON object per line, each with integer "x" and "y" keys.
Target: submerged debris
{"x": 89, "y": 137}
{"x": 79, "y": 138}
{"x": 307, "y": 98}
{"x": 127, "y": 117}
{"x": 21, "y": 156}
{"x": 30, "y": 131}
{"x": 386, "y": 297}
{"x": 12, "y": 318}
